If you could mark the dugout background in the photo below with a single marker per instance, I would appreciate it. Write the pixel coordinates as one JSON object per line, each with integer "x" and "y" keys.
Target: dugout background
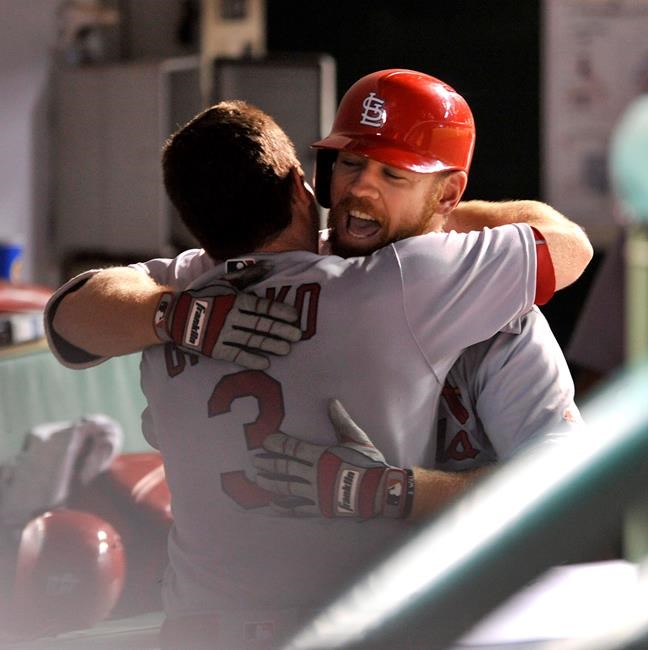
{"x": 491, "y": 51}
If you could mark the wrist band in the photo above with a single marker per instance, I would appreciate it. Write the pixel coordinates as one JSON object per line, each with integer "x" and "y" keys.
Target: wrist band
{"x": 409, "y": 495}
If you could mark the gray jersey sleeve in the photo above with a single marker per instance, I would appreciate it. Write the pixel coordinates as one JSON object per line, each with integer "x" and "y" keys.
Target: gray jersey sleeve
{"x": 180, "y": 271}
{"x": 177, "y": 272}
{"x": 469, "y": 288}
{"x": 515, "y": 386}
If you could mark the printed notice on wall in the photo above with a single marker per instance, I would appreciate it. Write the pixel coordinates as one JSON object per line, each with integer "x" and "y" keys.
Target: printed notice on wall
{"x": 595, "y": 61}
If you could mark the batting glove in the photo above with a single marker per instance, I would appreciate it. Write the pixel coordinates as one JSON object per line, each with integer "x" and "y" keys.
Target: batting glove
{"x": 220, "y": 322}
{"x": 350, "y": 479}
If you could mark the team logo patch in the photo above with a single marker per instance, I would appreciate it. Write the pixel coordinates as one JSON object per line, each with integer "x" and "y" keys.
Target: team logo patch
{"x": 238, "y": 264}
{"x": 196, "y": 323}
{"x": 62, "y": 584}
{"x": 161, "y": 311}
{"x": 374, "y": 113}
{"x": 394, "y": 492}
{"x": 347, "y": 488}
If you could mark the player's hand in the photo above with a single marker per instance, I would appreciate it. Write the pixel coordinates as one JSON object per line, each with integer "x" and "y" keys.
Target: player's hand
{"x": 349, "y": 479}
{"x": 220, "y": 322}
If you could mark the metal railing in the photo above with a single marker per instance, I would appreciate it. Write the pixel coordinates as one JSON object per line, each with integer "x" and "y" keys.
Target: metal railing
{"x": 530, "y": 515}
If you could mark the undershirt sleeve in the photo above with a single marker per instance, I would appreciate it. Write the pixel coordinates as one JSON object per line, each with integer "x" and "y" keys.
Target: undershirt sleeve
{"x": 66, "y": 353}
{"x": 545, "y": 274}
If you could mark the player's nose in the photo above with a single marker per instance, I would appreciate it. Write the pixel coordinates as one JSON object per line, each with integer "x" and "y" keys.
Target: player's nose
{"x": 365, "y": 183}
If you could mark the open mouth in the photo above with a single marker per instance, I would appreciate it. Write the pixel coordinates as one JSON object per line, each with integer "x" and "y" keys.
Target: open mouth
{"x": 361, "y": 225}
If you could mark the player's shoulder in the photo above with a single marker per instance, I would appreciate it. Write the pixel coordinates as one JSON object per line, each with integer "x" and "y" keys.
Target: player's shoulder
{"x": 527, "y": 329}
{"x": 178, "y": 271}
{"x": 534, "y": 326}
{"x": 330, "y": 267}
{"x": 531, "y": 320}
{"x": 476, "y": 247}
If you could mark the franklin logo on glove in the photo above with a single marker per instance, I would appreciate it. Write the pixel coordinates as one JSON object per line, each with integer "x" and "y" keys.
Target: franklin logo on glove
{"x": 199, "y": 311}
{"x": 347, "y": 491}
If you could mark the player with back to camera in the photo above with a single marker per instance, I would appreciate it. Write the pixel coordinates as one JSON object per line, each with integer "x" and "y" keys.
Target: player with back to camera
{"x": 501, "y": 393}
{"x": 377, "y": 330}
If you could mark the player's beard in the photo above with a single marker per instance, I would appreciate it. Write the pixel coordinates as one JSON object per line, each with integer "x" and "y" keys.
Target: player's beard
{"x": 423, "y": 223}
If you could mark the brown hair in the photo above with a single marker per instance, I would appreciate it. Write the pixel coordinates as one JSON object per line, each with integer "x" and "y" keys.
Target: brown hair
{"x": 227, "y": 172}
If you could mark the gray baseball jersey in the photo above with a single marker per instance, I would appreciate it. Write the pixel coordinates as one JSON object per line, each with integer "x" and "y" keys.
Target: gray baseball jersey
{"x": 503, "y": 393}
{"x": 380, "y": 333}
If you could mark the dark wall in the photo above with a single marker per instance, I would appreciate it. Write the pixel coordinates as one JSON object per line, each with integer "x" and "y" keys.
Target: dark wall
{"x": 488, "y": 51}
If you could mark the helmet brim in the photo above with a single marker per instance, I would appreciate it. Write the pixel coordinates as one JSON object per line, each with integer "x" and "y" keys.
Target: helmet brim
{"x": 392, "y": 154}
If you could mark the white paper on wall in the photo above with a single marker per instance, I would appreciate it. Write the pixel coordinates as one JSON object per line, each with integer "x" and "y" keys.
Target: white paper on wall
{"x": 595, "y": 61}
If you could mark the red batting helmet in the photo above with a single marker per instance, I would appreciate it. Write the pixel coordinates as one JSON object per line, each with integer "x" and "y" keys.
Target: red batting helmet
{"x": 402, "y": 118}
{"x": 69, "y": 573}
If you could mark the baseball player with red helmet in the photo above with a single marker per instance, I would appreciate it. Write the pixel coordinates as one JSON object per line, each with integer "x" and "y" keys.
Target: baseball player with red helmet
{"x": 500, "y": 393}
{"x": 383, "y": 331}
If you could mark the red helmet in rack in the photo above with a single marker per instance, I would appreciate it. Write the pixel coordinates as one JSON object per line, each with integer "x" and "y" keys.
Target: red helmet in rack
{"x": 69, "y": 573}
{"x": 402, "y": 118}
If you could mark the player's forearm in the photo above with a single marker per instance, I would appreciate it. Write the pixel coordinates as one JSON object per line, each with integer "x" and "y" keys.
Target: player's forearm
{"x": 569, "y": 246}
{"x": 435, "y": 488}
{"x": 475, "y": 215}
{"x": 111, "y": 314}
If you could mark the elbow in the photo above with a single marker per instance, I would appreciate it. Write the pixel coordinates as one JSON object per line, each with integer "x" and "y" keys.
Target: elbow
{"x": 572, "y": 264}
{"x": 584, "y": 251}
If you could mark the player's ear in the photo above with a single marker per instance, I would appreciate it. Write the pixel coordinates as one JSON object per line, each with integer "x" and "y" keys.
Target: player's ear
{"x": 452, "y": 189}
{"x": 301, "y": 194}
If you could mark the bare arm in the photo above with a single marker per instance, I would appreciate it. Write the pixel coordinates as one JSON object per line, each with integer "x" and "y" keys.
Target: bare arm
{"x": 435, "y": 488}
{"x": 111, "y": 314}
{"x": 570, "y": 249}
{"x": 310, "y": 479}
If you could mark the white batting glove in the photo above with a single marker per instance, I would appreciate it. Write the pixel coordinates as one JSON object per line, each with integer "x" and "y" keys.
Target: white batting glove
{"x": 350, "y": 479}
{"x": 220, "y": 322}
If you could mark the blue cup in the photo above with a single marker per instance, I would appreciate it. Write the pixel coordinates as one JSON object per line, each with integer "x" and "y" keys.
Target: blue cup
{"x": 10, "y": 261}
